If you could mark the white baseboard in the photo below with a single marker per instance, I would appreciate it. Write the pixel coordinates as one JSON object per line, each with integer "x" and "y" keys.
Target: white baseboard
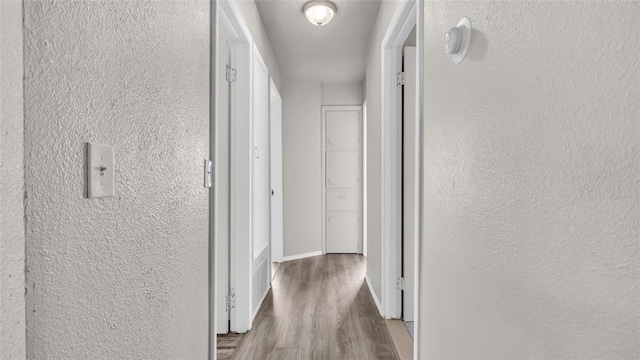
{"x": 302, "y": 256}
{"x": 373, "y": 294}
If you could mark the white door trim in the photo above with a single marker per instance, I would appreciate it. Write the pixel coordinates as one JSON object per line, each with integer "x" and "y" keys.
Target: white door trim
{"x": 364, "y": 184}
{"x": 418, "y": 176}
{"x": 401, "y": 25}
{"x": 213, "y": 124}
{"x": 240, "y": 186}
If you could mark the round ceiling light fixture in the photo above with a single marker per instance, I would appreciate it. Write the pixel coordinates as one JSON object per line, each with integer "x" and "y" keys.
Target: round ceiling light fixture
{"x": 319, "y": 12}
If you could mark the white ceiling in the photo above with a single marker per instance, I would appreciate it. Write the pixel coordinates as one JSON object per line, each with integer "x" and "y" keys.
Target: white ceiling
{"x": 335, "y": 52}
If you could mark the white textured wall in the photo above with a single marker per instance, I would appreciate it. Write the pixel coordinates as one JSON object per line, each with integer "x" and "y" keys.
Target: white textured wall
{"x": 12, "y": 301}
{"x": 123, "y": 277}
{"x": 342, "y": 94}
{"x": 302, "y": 157}
{"x": 251, "y": 17}
{"x": 532, "y": 183}
{"x": 373, "y": 94}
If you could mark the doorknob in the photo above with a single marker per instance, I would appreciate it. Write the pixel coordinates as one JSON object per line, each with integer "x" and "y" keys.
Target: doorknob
{"x": 272, "y": 192}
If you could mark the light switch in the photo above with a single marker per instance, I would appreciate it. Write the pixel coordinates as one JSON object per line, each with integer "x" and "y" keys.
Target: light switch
{"x": 100, "y": 170}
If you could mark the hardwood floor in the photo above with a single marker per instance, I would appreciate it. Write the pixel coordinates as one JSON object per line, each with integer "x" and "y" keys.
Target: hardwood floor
{"x": 401, "y": 338}
{"x": 319, "y": 308}
{"x": 228, "y": 345}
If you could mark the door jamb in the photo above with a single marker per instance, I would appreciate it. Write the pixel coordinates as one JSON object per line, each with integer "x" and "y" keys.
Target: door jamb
{"x": 241, "y": 173}
{"x": 401, "y": 25}
{"x": 212, "y": 346}
{"x": 419, "y": 172}
{"x": 364, "y": 179}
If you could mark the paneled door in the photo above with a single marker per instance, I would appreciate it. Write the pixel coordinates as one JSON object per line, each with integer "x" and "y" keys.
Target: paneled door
{"x": 277, "y": 206}
{"x": 261, "y": 164}
{"x": 342, "y": 175}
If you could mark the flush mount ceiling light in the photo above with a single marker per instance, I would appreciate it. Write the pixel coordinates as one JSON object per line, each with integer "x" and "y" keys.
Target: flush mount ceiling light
{"x": 319, "y": 12}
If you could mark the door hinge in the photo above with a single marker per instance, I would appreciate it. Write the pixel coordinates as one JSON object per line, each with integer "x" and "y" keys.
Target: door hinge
{"x": 208, "y": 173}
{"x": 400, "y": 283}
{"x": 231, "y": 74}
{"x": 231, "y": 300}
{"x": 400, "y": 77}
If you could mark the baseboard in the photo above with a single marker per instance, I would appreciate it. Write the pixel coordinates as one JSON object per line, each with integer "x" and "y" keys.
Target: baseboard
{"x": 373, "y": 294}
{"x": 302, "y": 256}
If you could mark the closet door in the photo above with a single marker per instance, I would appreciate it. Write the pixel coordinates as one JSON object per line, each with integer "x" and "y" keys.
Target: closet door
{"x": 342, "y": 175}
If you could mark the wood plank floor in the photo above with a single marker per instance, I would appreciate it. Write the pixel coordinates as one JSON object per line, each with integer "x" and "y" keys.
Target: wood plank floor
{"x": 401, "y": 338}
{"x": 228, "y": 345}
{"x": 319, "y": 308}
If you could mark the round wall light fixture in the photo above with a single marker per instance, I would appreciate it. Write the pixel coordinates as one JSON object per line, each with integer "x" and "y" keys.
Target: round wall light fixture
{"x": 319, "y": 12}
{"x": 456, "y": 40}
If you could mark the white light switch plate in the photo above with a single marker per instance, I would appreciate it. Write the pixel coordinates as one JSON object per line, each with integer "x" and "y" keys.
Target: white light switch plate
{"x": 100, "y": 170}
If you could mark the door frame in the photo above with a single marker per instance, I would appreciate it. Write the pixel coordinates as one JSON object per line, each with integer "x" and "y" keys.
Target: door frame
{"x": 407, "y": 15}
{"x": 240, "y": 169}
{"x": 364, "y": 179}
{"x": 419, "y": 172}
{"x": 277, "y": 243}
{"x": 323, "y": 110}
{"x": 212, "y": 346}
{"x": 221, "y": 225}
{"x": 399, "y": 29}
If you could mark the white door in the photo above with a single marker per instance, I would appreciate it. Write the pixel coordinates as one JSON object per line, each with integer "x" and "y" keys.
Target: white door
{"x": 342, "y": 174}
{"x": 261, "y": 177}
{"x": 409, "y": 167}
{"x": 222, "y": 191}
{"x": 277, "y": 220}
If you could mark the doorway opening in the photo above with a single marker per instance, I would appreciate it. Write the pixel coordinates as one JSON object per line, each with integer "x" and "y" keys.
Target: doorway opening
{"x": 400, "y": 166}
{"x": 398, "y": 234}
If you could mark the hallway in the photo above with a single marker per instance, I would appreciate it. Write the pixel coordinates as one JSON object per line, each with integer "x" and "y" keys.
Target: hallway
{"x": 319, "y": 308}
{"x": 156, "y": 157}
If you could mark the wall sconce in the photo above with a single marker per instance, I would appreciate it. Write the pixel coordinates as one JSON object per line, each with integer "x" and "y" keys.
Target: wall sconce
{"x": 319, "y": 12}
{"x": 456, "y": 40}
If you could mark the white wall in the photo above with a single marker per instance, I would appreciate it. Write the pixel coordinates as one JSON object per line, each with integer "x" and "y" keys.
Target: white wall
{"x": 531, "y": 188}
{"x": 342, "y": 94}
{"x": 125, "y": 276}
{"x": 411, "y": 39}
{"x": 302, "y": 132}
{"x": 251, "y": 17}
{"x": 12, "y": 283}
{"x": 301, "y": 101}
{"x": 374, "y": 146}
